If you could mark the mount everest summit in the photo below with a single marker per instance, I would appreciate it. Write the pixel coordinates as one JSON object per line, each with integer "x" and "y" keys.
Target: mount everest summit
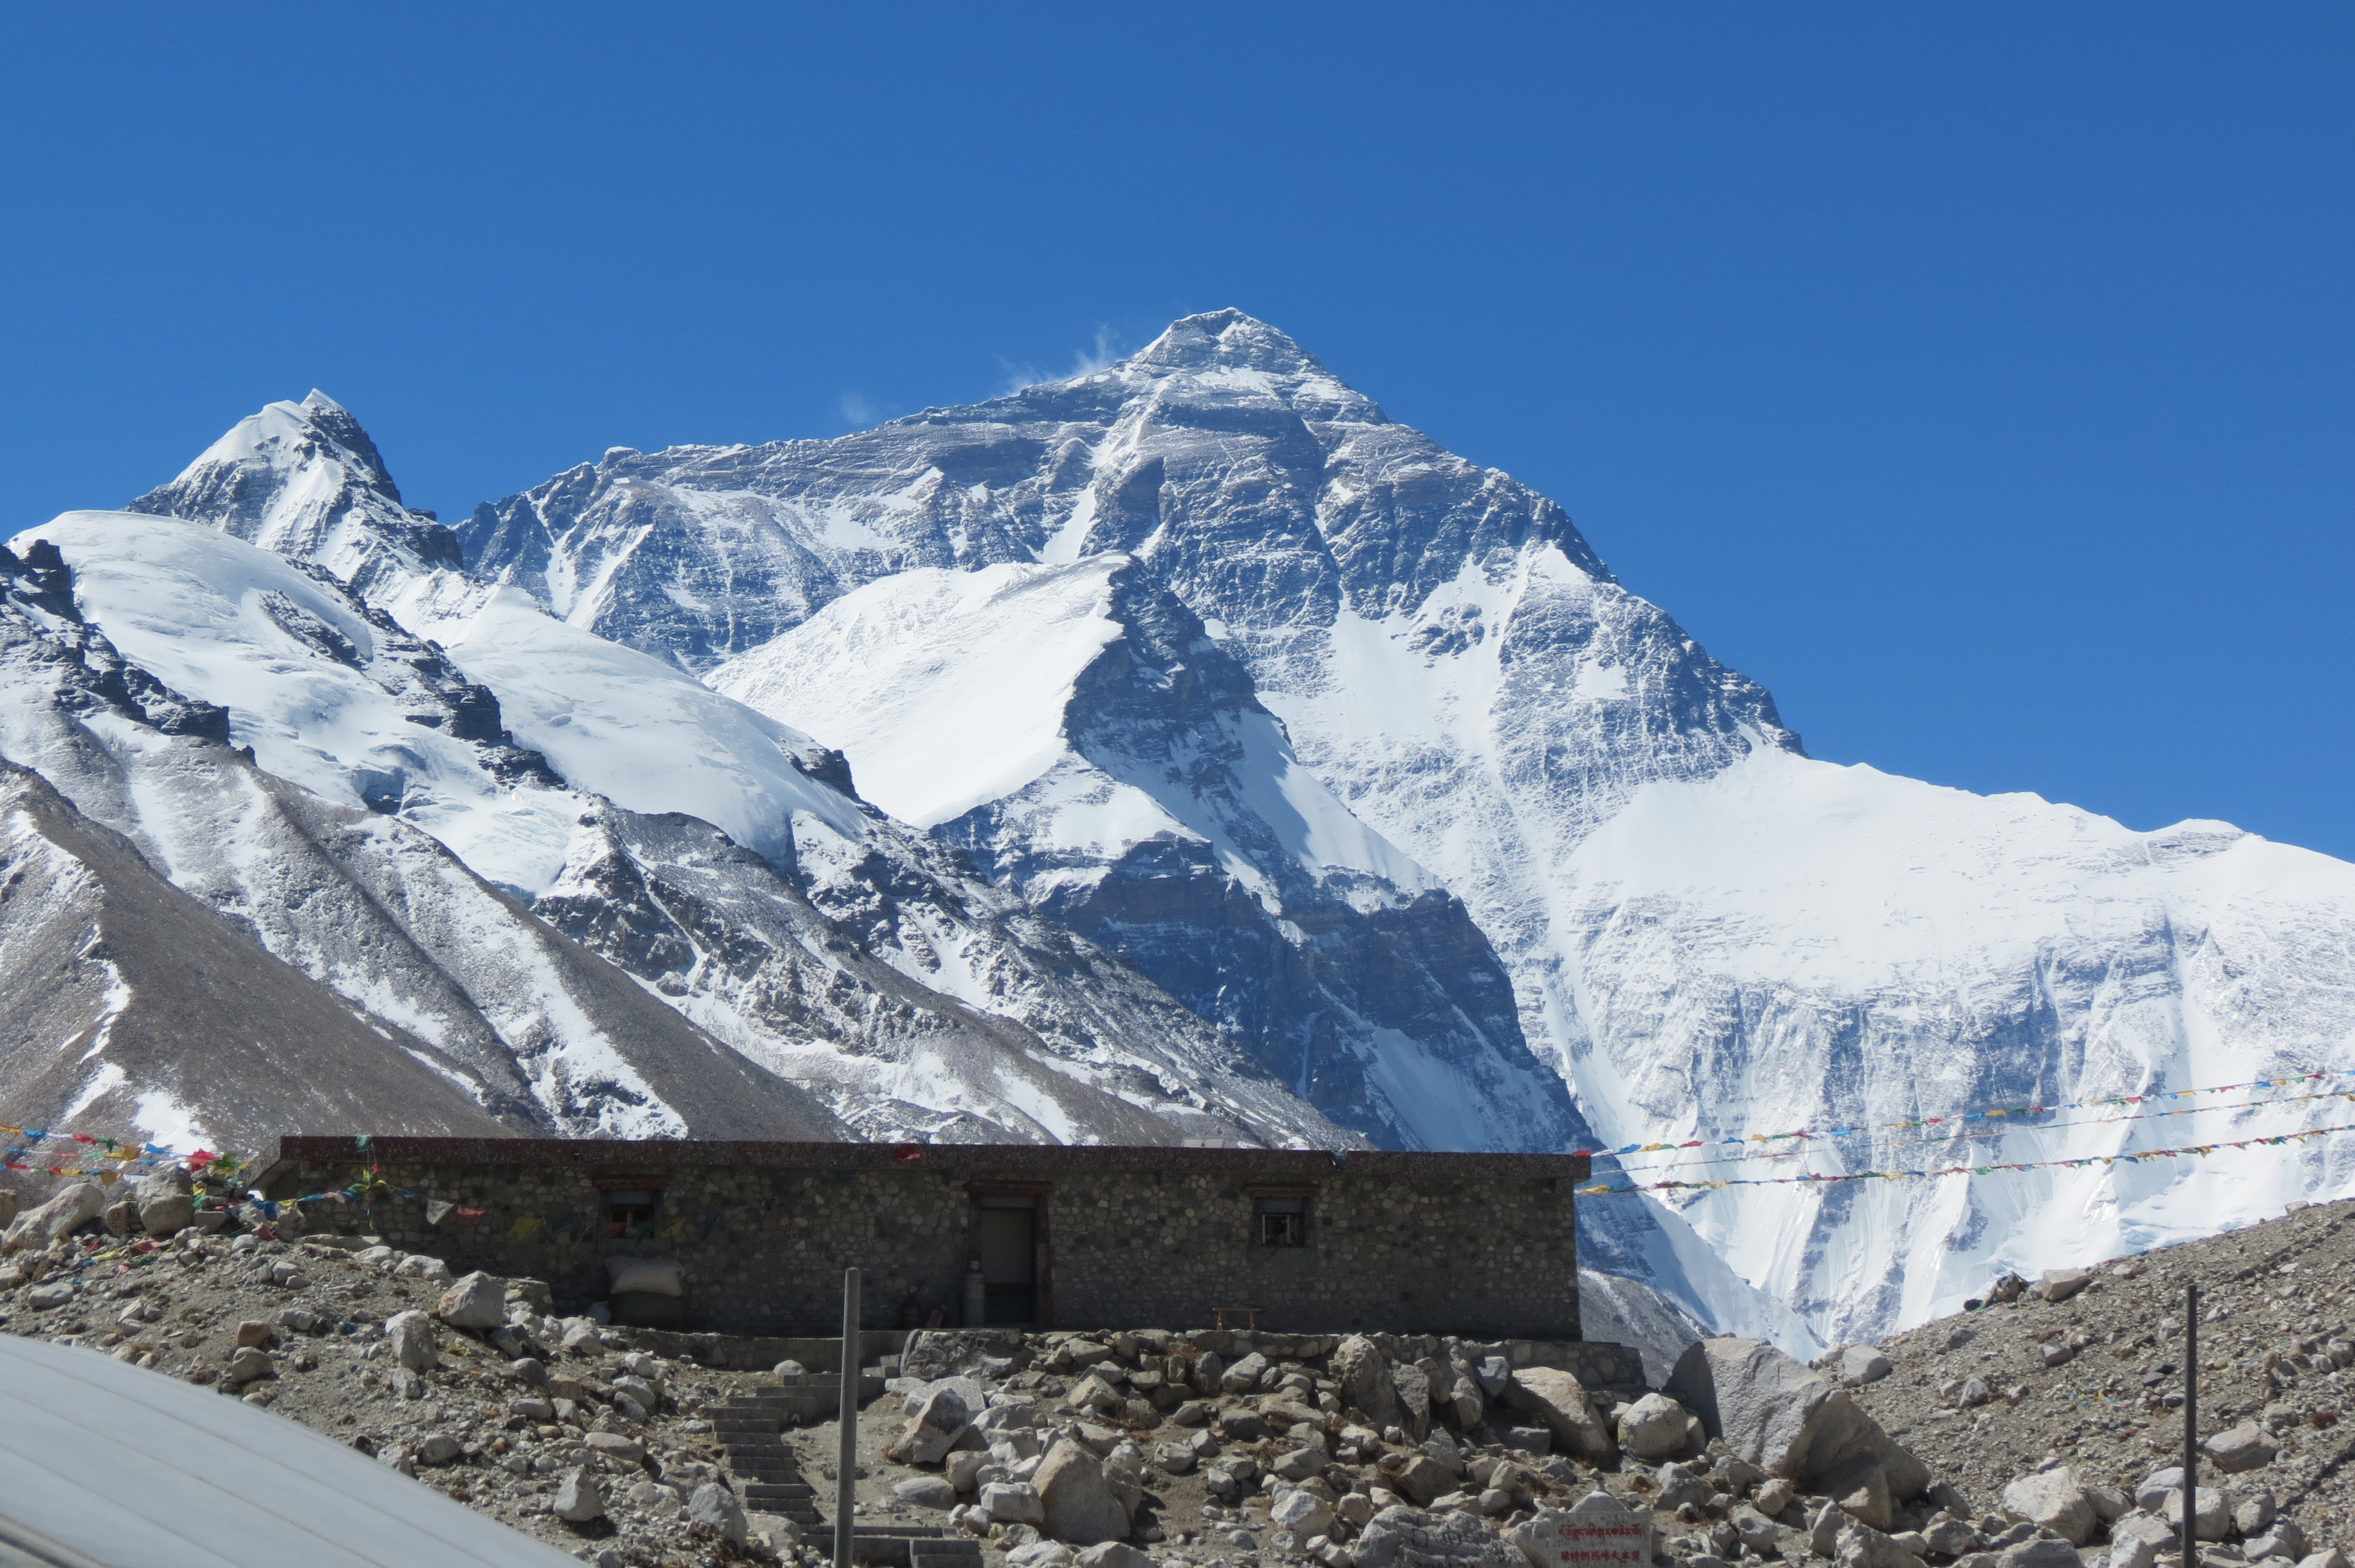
{"x": 1179, "y": 751}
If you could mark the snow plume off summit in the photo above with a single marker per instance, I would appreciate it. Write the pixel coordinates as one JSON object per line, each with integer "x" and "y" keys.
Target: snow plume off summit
{"x": 1183, "y": 749}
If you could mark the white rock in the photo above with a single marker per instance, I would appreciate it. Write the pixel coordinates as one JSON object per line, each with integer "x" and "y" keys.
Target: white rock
{"x": 1862, "y": 1364}
{"x": 2053, "y": 1499}
{"x": 67, "y": 1210}
{"x": 1012, "y": 1502}
{"x": 1653, "y": 1427}
{"x": 1080, "y": 1505}
{"x": 1113, "y": 1554}
{"x": 415, "y": 1343}
{"x": 716, "y": 1506}
{"x": 579, "y": 1498}
{"x": 475, "y": 1301}
{"x": 926, "y": 1491}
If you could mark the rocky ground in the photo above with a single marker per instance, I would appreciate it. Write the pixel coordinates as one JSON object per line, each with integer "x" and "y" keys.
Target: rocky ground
{"x": 2022, "y": 1435}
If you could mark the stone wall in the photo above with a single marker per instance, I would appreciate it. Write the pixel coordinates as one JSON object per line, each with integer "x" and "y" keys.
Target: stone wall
{"x": 1482, "y": 1245}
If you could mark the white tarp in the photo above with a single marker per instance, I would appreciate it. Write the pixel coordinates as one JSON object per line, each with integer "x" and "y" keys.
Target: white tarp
{"x": 141, "y": 1470}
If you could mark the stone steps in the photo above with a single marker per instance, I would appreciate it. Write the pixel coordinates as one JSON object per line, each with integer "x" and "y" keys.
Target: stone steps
{"x": 767, "y": 1480}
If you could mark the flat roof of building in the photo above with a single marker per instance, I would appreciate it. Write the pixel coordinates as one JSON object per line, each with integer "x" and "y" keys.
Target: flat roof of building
{"x": 998, "y": 1159}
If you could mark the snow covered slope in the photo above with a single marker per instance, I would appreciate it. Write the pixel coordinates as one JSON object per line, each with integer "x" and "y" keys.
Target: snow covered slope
{"x": 1079, "y": 733}
{"x": 842, "y": 950}
{"x": 437, "y": 1004}
{"x": 1453, "y": 662}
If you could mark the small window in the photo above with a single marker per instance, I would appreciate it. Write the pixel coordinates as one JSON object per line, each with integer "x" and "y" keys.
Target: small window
{"x": 1281, "y": 1221}
{"x": 630, "y": 1214}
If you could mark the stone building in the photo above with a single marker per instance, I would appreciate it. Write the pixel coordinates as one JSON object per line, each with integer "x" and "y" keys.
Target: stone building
{"x": 1045, "y": 1236}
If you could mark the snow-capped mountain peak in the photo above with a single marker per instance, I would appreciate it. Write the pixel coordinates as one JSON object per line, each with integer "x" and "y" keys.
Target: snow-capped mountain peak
{"x": 305, "y": 480}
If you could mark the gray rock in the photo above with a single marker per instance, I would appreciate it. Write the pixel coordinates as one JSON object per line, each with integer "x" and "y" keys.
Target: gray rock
{"x": 2041, "y": 1553}
{"x": 1761, "y": 1534}
{"x": 2060, "y": 1284}
{"x": 1824, "y": 1528}
{"x": 1862, "y": 1546}
{"x": 249, "y": 1363}
{"x": 2138, "y": 1537}
{"x": 614, "y": 1446}
{"x": 2151, "y": 1493}
{"x": 1401, "y": 1537}
{"x": 2334, "y": 1558}
{"x": 2246, "y": 1447}
{"x": 1862, "y": 1364}
{"x": 1653, "y": 1427}
{"x": 934, "y": 1353}
{"x": 1175, "y": 1458}
{"x": 1774, "y": 1411}
{"x": 1558, "y": 1400}
{"x": 1364, "y": 1380}
{"x": 167, "y": 1201}
{"x": 2053, "y": 1499}
{"x": 477, "y": 1301}
{"x": 2253, "y": 1513}
{"x": 2211, "y": 1519}
{"x": 716, "y": 1506}
{"x": 1112, "y": 1554}
{"x": 580, "y": 1499}
{"x": 1080, "y": 1507}
{"x": 2284, "y": 1538}
{"x": 1862, "y": 1493}
{"x": 1411, "y": 1385}
{"x": 56, "y": 1293}
{"x": 1041, "y": 1554}
{"x": 1013, "y": 1502}
{"x": 932, "y": 1430}
{"x": 67, "y": 1210}
{"x": 415, "y": 1343}
{"x": 439, "y": 1448}
{"x": 926, "y": 1491}
{"x": 1245, "y": 1375}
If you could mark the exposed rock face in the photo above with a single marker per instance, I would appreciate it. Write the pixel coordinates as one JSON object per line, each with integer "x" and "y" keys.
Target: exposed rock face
{"x": 1080, "y": 1507}
{"x": 1673, "y": 887}
{"x": 1775, "y": 1413}
{"x": 1080, "y": 734}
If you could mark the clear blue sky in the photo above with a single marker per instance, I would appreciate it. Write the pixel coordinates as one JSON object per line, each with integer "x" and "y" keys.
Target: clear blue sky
{"x": 1979, "y": 377}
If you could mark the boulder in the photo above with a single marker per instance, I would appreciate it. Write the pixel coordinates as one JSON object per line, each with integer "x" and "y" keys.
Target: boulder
{"x": 2238, "y": 1448}
{"x": 1245, "y": 1375}
{"x": 580, "y": 1499}
{"x": 1775, "y": 1413}
{"x": 1041, "y": 1554}
{"x": 1762, "y": 1535}
{"x": 1559, "y": 1400}
{"x": 1401, "y": 1537}
{"x": 2053, "y": 1499}
{"x": 1653, "y": 1427}
{"x": 1093, "y": 1393}
{"x": 933, "y": 1353}
{"x": 1012, "y": 1502}
{"x": 1112, "y": 1554}
{"x": 1411, "y": 1386}
{"x": 246, "y": 1363}
{"x": 2043, "y": 1551}
{"x": 1080, "y": 1507}
{"x": 167, "y": 1201}
{"x": 2255, "y": 1512}
{"x": 2212, "y": 1519}
{"x": 716, "y": 1506}
{"x": 2284, "y": 1538}
{"x": 614, "y": 1446}
{"x": 1208, "y": 1368}
{"x": 477, "y": 1300}
{"x": 1303, "y": 1512}
{"x": 1862, "y": 1546}
{"x": 926, "y": 1491}
{"x": 1862, "y": 1364}
{"x": 1420, "y": 1479}
{"x": 1862, "y": 1493}
{"x": 1365, "y": 1378}
{"x": 2138, "y": 1537}
{"x": 415, "y": 1343}
{"x": 2060, "y": 1284}
{"x": 2151, "y": 1493}
{"x": 932, "y": 1430}
{"x": 67, "y": 1211}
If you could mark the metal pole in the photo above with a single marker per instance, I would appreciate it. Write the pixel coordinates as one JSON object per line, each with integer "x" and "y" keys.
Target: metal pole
{"x": 2191, "y": 1421}
{"x": 845, "y": 1464}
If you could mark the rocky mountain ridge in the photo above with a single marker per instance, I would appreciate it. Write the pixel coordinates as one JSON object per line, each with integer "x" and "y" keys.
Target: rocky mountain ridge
{"x": 1709, "y": 934}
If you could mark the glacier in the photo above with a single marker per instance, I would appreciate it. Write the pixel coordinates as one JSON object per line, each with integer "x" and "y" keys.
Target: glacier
{"x": 1708, "y": 933}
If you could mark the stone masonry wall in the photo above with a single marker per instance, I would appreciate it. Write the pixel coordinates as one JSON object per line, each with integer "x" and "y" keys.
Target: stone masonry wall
{"x": 1470, "y": 1245}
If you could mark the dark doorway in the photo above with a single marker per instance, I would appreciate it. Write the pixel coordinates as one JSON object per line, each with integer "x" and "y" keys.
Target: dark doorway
{"x": 1009, "y": 1260}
